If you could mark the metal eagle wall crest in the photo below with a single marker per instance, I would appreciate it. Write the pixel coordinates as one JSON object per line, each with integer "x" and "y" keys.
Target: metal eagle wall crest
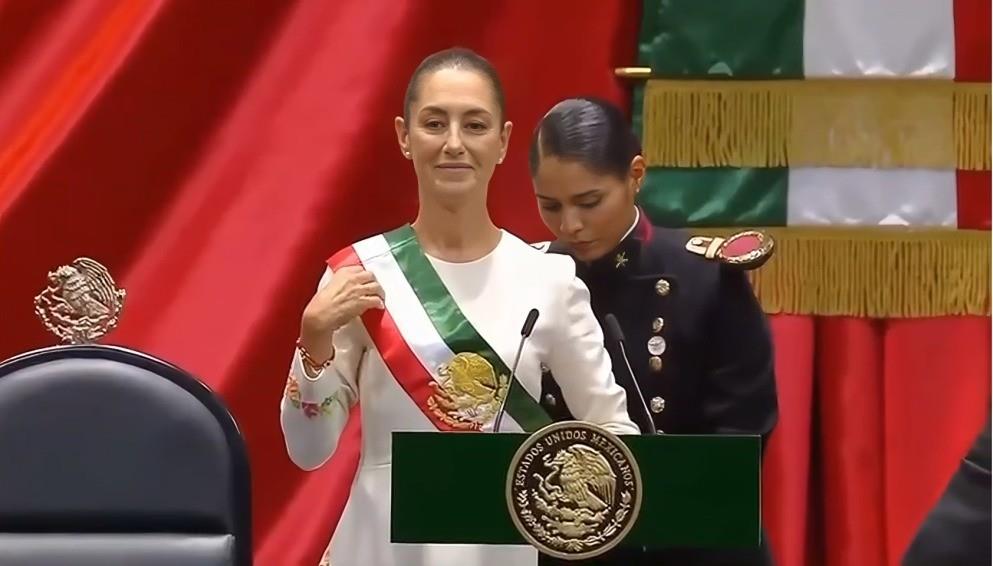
{"x": 81, "y": 303}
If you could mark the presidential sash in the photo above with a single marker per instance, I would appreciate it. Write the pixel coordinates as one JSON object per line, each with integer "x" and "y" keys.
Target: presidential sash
{"x": 429, "y": 346}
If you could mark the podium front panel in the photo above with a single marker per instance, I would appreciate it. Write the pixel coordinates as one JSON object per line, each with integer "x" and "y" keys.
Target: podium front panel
{"x": 699, "y": 490}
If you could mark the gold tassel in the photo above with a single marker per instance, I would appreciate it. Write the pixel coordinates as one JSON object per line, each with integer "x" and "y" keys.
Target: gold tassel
{"x": 875, "y": 272}
{"x": 881, "y": 123}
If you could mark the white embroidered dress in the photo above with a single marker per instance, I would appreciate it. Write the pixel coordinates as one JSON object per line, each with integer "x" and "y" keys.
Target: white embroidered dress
{"x": 495, "y": 294}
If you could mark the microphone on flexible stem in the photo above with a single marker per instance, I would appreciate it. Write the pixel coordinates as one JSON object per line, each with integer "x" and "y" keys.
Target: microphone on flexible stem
{"x": 614, "y": 334}
{"x": 525, "y": 333}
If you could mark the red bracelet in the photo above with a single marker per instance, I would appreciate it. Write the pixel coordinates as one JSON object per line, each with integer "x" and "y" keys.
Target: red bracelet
{"x": 310, "y": 363}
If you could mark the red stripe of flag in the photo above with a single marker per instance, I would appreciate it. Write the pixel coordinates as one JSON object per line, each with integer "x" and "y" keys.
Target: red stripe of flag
{"x": 972, "y": 64}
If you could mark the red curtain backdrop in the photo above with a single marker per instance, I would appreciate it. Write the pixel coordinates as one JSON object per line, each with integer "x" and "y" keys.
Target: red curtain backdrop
{"x": 874, "y": 417}
{"x": 212, "y": 154}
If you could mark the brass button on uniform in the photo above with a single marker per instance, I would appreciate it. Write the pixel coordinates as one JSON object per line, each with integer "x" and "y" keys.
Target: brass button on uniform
{"x": 655, "y": 363}
{"x": 662, "y": 287}
{"x": 657, "y": 325}
{"x": 657, "y": 404}
{"x": 550, "y": 399}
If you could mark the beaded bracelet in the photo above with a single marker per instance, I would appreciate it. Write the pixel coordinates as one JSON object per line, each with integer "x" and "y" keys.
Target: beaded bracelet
{"x": 310, "y": 365}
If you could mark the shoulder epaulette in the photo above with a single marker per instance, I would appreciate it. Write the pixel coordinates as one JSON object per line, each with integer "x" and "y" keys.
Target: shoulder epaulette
{"x": 744, "y": 250}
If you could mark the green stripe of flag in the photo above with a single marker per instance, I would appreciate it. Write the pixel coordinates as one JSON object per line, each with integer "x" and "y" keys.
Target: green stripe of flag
{"x": 716, "y": 196}
{"x": 718, "y": 39}
{"x": 722, "y": 39}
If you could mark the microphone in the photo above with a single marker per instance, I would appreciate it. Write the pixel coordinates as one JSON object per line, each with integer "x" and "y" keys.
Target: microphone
{"x": 525, "y": 333}
{"x": 614, "y": 334}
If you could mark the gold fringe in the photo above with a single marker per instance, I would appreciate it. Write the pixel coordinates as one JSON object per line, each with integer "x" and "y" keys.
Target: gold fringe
{"x": 875, "y": 272}
{"x": 971, "y": 111}
{"x": 880, "y": 123}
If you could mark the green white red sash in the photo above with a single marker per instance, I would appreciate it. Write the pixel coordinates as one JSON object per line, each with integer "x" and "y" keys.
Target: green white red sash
{"x": 423, "y": 328}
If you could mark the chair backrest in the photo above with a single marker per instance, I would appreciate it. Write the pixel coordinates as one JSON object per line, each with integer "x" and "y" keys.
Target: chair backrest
{"x": 111, "y": 456}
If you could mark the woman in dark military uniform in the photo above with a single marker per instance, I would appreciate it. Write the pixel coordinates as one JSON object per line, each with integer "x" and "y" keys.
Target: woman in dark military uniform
{"x": 698, "y": 343}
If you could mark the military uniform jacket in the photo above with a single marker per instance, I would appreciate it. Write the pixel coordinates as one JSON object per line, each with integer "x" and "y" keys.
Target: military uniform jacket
{"x": 698, "y": 344}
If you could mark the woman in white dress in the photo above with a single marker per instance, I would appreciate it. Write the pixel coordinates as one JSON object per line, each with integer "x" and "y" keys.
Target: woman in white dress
{"x": 420, "y": 325}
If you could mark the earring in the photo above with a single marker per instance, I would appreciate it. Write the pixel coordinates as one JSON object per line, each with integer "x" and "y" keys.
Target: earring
{"x": 406, "y": 154}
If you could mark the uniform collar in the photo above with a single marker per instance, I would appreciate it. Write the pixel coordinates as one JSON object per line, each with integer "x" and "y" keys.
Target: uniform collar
{"x": 626, "y": 254}
{"x": 634, "y": 225}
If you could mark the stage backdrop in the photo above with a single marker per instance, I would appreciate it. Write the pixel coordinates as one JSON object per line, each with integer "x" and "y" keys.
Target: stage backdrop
{"x": 213, "y": 154}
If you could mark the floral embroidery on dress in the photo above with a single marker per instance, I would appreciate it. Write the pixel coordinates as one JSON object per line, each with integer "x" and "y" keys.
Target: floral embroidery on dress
{"x": 310, "y": 410}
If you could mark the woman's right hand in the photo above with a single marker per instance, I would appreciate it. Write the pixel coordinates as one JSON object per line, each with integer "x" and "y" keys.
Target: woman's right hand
{"x": 351, "y": 291}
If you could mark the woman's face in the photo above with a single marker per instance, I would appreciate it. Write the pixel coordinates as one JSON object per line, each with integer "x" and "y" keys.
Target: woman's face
{"x": 587, "y": 211}
{"x": 455, "y": 136}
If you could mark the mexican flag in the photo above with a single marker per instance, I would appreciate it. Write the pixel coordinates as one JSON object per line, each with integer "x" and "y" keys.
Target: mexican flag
{"x": 857, "y": 132}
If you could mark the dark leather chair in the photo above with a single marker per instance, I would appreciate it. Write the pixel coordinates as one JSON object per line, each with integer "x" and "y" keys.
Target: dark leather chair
{"x": 112, "y": 457}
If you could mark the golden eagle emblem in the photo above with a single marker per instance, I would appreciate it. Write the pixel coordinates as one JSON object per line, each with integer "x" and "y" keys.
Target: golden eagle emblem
{"x": 468, "y": 392}
{"x": 574, "y": 490}
{"x": 81, "y": 303}
{"x": 585, "y": 484}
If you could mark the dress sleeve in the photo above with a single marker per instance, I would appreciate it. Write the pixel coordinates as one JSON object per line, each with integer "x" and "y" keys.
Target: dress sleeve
{"x": 313, "y": 411}
{"x": 582, "y": 367}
